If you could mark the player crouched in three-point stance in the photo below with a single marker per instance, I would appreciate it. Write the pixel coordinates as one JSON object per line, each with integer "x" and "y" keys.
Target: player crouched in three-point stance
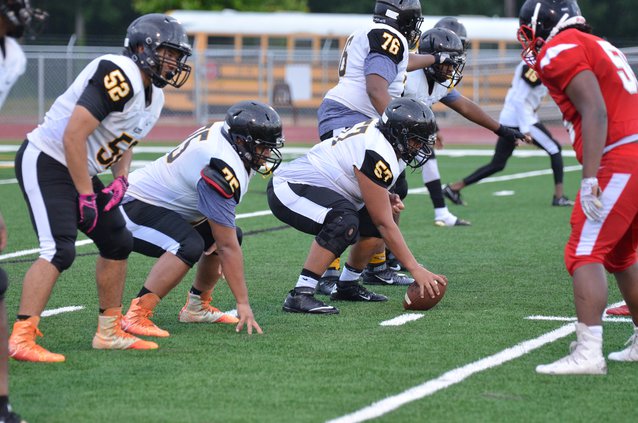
{"x": 90, "y": 128}
{"x": 339, "y": 192}
{"x": 597, "y": 92}
{"x": 182, "y": 206}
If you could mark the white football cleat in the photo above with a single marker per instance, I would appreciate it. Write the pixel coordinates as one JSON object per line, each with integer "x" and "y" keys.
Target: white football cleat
{"x": 585, "y": 358}
{"x": 630, "y": 353}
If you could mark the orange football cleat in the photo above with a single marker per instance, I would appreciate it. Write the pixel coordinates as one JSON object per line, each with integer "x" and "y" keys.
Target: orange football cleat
{"x": 110, "y": 336}
{"x": 22, "y": 344}
{"x": 199, "y": 310}
{"x": 137, "y": 320}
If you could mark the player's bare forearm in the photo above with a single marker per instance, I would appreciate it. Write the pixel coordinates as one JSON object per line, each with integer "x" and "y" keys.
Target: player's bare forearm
{"x": 122, "y": 167}
{"x": 584, "y": 93}
{"x": 81, "y": 125}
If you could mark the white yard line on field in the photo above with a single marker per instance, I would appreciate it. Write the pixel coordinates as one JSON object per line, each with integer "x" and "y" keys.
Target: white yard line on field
{"x": 54, "y": 311}
{"x": 455, "y": 376}
{"x": 402, "y": 319}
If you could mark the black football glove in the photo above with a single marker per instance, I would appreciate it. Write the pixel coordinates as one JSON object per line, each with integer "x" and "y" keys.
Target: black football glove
{"x": 510, "y": 134}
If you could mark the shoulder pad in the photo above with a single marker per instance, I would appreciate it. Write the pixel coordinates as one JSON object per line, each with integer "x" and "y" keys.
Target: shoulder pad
{"x": 222, "y": 178}
{"x": 530, "y": 76}
{"x": 377, "y": 169}
{"x": 386, "y": 43}
{"x": 112, "y": 79}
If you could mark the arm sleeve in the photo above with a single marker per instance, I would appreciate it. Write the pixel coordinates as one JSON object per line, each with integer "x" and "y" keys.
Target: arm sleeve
{"x": 380, "y": 65}
{"x": 215, "y": 207}
{"x": 451, "y": 97}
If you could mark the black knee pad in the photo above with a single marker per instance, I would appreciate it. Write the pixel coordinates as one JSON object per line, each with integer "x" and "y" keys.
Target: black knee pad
{"x": 119, "y": 246}
{"x": 191, "y": 249}
{"x": 64, "y": 256}
{"x": 339, "y": 230}
{"x": 4, "y": 283}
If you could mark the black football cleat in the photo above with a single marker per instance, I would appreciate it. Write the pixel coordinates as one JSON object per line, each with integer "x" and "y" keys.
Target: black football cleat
{"x": 327, "y": 285}
{"x": 393, "y": 262}
{"x": 453, "y": 196}
{"x": 302, "y": 300}
{"x": 356, "y": 292}
{"x": 386, "y": 276}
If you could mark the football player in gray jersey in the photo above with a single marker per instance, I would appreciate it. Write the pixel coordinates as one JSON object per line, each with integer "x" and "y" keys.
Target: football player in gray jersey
{"x": 90, "y": 128}
{"x": 181, "y": 207}
{"x": 341, "y": 193}
{"x": 520, "y": 111}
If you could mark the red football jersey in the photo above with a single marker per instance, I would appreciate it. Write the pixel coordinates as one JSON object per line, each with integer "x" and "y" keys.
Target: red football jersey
{"x": 573, "y": 51}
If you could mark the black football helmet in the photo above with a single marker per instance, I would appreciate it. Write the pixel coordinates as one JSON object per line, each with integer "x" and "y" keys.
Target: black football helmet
{"x": 404, "y": 15}
{"x": 22, "y": 18}
{"x": 453, "y": 24}
{"x": 148, "y": 33}
{"x": 249, "y": 124}
{"x": 441, "y": 40}
{"x": 540, "y": 20}
{"x": 410, "y": 127}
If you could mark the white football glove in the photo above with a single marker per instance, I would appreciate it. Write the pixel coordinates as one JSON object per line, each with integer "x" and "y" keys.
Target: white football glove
{"x": 590, "y": 199}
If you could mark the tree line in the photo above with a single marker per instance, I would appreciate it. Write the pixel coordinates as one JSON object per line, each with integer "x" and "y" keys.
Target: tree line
{"x": 104, "y": 22}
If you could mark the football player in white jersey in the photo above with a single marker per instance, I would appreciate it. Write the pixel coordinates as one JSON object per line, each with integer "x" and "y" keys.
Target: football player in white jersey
{"x": 340, "y": 192}
{"x": 183, "y": 204}
{"x": 113, "y": 102}
{"x": 372, "y": 71}
{"x": 437, "y": 83}
{"x": 519, "y": 111}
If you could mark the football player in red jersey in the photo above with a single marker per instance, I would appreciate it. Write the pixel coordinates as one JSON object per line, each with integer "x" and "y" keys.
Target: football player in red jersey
{"x": 597, "y": 93}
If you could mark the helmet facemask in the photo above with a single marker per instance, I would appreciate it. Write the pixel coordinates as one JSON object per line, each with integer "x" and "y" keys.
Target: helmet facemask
{"x": 540, "y": 20}
{"x": 254, "y": 131}
{"x": 448, "y": 75}
{"x": 159, "y": 46}
{"x": 443, "y": 40}
{"x": 160, "y": 59}
{"x": 410, "y": 127}
{"x": 257, "y": 158}
{"x": 414, "y": 149}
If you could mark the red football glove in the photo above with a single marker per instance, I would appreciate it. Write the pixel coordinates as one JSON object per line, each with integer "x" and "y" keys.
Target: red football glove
{"x": 117, "y": 189}
{"x": 88, "y": 212}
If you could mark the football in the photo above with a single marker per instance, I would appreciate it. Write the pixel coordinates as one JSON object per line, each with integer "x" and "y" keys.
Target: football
{"x": 413, "y": 300}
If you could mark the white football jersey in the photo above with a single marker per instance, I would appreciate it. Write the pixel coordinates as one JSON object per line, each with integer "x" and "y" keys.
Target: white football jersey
{"x": 351, "y": 89}
{"x": 171, "y": 181}
{"x": 418, "y": 86}
{"x": 12, "y": 66}
{"x": 120, "y": 81}
{"x": 523, "y": 99}
{"x": 330, "y": 164}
